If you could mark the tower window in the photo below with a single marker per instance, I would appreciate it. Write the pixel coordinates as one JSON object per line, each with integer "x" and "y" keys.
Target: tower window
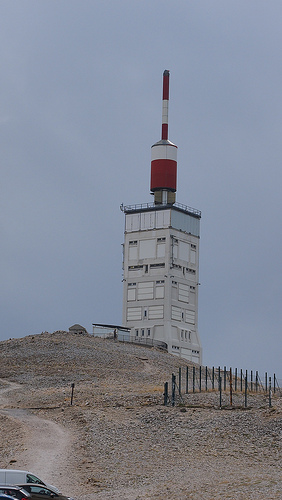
{"x": 159, "y": 291}
{"x": 156, "y": 266}
{"x": 183, "y": 292}
{"x": 176, "y": 313}
{"x": 145, "y": 290}
{"x": 191, "y": 271}
{"x": 134, "y": 314}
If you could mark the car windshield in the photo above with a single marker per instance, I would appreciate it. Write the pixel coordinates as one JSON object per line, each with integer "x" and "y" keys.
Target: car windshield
{"x": 41, "y": 490}
{"x": 33, "y": 479}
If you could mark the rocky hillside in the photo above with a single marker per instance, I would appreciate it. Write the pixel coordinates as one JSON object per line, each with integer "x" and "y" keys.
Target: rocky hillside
{"x": 117, "y": 440}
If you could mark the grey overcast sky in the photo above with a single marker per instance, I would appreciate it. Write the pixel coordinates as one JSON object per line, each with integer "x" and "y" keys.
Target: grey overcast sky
{"x": 80, "y": 108}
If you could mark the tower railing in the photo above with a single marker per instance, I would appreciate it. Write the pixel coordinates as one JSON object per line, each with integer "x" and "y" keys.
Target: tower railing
{"x": 152, "y": 205}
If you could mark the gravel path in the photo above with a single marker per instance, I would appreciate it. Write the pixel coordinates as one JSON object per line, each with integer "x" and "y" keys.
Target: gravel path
{"x": 45, "y": 444}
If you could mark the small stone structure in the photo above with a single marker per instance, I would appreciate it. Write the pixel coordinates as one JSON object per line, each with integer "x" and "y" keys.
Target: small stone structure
{"x": 77, "y": 329}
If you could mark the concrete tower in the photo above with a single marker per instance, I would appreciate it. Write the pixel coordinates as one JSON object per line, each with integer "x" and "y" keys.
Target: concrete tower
{"x": 161, "y": 258}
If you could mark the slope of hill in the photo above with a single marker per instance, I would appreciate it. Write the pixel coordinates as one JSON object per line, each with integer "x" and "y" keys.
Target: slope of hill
{"x": 117, "y": 440}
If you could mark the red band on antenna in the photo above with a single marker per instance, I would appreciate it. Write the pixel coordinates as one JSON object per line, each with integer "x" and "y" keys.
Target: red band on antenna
{"x": 166, "y": 85}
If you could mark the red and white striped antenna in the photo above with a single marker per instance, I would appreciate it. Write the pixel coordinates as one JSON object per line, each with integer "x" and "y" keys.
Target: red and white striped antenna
{"x": 165, "y": 105}
{"x": 164, "y": 157}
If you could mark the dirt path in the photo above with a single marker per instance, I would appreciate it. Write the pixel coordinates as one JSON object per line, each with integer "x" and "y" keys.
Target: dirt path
{"x": 46, "y": 445}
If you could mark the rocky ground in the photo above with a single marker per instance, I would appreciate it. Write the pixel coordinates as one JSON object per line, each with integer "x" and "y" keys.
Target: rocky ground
{"x": 117, "y": 440}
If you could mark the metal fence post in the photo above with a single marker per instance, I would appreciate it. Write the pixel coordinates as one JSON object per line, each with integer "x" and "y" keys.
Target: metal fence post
{"x": 246, "y": 389}
{"x": 256, "y": 381}
{"x": 224, "y": 378}
{"x": 213, "y": 377}
{"x": 179, "y": 380}
{"x": 219, "y": 379}
{"x": 165, "y": 393}
{"x": 251, "y": 380}
{"x": 241, "y": 378}
{"x": 72, "y": 391}
{"x": 206, "y": 378}
{"x": 265, "y": 381}
{"x": 270, "y": 392}
{"x": 187, "y": 380}
{"x": 230, "y": 386}
{"x": 220, "y": 395}
{"x": 235, "y": 379}
{"x": 274, "y": 381}
{"x": 173, "y": 389}
{"x": 200, "y": 378}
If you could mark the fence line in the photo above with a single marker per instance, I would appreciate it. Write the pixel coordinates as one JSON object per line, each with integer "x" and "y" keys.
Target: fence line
{"x": 133, "y": 339}
{"x": 199, "y": 379}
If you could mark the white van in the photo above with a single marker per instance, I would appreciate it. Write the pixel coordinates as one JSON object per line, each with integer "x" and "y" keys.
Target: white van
{"x": 11, "y": 476}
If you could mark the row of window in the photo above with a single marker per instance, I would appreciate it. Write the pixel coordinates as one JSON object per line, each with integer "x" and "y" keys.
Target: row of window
{"x": 158, "y": 282}
{"x": 139, "y": 313}
{"x": 146, "y": 268}
{"x": 157, "y": 312}
{"x": 178, "y": 314}
{"x": 144, "y": 332}
{"x": 185, "y": 335}
{"x": 177, "y": 348}
{"x": 182, "y": 250}
{"x": 183, "y": 269}
{"x": 149, "y": 290}
{"x": 156, "y": 248}
{"x": 162, "y": 240}
{"x": 147, "y": 249}
{"x": 159, "y": 240}
{"x": 145, "y": 290}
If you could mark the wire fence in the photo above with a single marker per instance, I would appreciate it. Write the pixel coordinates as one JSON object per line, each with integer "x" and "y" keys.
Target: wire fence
{"x": 197, "y": 379}
{"x": 133, "y": 339}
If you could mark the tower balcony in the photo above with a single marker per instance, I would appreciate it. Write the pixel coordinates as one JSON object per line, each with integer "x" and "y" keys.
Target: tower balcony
{"x": 146, "y": 207}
